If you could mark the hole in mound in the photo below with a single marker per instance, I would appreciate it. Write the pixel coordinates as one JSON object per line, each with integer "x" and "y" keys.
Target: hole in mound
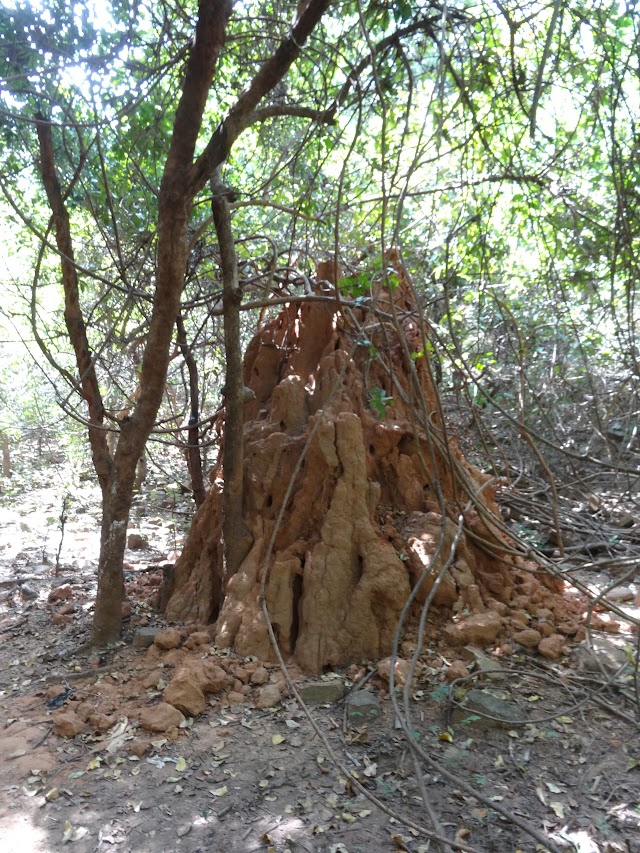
{"x": 269, "y": 501}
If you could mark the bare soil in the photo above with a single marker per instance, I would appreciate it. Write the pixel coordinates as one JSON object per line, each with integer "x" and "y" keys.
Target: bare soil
{"x": 240, "y": 778}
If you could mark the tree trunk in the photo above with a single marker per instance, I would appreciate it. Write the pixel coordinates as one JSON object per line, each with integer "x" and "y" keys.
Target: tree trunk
{"x": 183, "y": 177}
{"x": 193, "y": 455}
{"x": 236, "y": 538}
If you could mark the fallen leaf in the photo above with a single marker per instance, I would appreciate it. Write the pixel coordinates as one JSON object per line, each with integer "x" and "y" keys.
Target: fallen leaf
{"x": 73, "y": 833}
{"x": 220, "y": 792}
{"x": 277, "y": 739}
{"x": 181, "y": 765}
{"x": 558, "y": 809}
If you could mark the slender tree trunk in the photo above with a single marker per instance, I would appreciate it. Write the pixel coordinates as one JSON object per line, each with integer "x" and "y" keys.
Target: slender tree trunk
{"x": 6, "y": 455}
{"x": 233, "y": 532}
{"x": 194, "y": 458}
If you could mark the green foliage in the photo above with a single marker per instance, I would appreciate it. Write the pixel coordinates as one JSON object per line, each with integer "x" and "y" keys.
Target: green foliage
{"x": 379, "y": 401}
{"x": 510, "y": 189}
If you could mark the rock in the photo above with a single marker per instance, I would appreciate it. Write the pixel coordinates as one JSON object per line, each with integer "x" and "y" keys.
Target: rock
{"x": 153, "y": 679}
{"x": 139, "y": 747}
{"x": 602, "y": 653}
{"x": 362, "y": 706}
{"x": 28, "y": 592}
{"x": 259, "y": 676}
{"x": 197, "y": 638}
{"x": 457, "y": 670}
{"x": 54, "y": 691}
{"x": 184, "y": 693}
{"x": 160, "y": 718}
{"x": 126, "y": 609}
{"x": 67, "y": 609}
{"x": 67, "y": 723}
{"x": 492, "y": 709}
{"x": 529, "y": 638}
{"x": 136, "y": 541}
{"x": 211, "y": 677}
{"x": 60, "y": 593}
{"x": 552, "y": 647}
{"x": 620, "y": 593}
{"x": 519, "y": 619}
{"x": 168, "y": 639}
{"x": 144, "y": 637}
{"x": 604, "y": 622}
{"x": 484, "y": 663}
{"x": 400, "y": 671}
{"x": 268, "y": 697}
{"x": 101, "y": 722}
{"x": 234, "y": 698}
{"x": 61, "y": 619}
{"x": 322, "y": 692}
{"x": 480, "y": 629}
{"x": 242, "y": 674}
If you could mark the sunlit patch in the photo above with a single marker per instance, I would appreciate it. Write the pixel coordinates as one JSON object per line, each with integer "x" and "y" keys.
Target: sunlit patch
{"x": 19, "y": 834}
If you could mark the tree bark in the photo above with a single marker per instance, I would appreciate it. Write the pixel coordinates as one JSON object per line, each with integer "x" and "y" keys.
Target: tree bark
{"x": 73, "y": 316}
{"x": 194, "y": 457}
{"x": 236, "y": 541}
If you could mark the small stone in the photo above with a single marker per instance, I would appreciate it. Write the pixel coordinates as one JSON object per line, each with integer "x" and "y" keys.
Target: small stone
{"x": 151, "y": 681}
{"x": 268, "y": 697}
{"x": 362, "y": 706}
{"x": 322, "y": 692}
{"x": 601, "y": 653}
{"x": 160, "y": 718}
{"x": 235, "y": 698}
{"x": 400, "y": 671}
{"x": 67, "y": 608}
{"x": 520, "y": 619}
{"x": 54, "y": 691}
{"x": 529, "y": 638}
{"x": 198, "y": 638}
{"x": 260, "y": 676}
{"x": 139, "y": 747}
{"x": 241, "y": 674}
{"x": 457, "y": 670}
{"x": 136, "y": 541}
{"x": 67, "y": 723}
{"x": 184, "y": 693}
{"x": 480, "y": 629}
{"x": 552, "y": 647}
{"x": 484, "y": 663}
{"x": 61, "y": 619}
{"x": 168, "y": 639}
{"x": 144, "y": 637}
{"x": 60, "y": 593}
{"x": 101, "y": 722}
{"x": 126, "y": 609}
{"x": 27, "y": 592}
{"x": 485, "y": 703}
{"x": 211, "y": 677}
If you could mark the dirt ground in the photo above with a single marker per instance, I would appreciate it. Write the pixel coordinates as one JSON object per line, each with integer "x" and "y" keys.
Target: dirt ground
{"x": 519, "y": 743}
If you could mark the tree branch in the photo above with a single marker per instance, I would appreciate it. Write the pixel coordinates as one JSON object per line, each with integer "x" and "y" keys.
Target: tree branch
{"x": 73, "y": 315}
{"x": 241, "y": 113}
